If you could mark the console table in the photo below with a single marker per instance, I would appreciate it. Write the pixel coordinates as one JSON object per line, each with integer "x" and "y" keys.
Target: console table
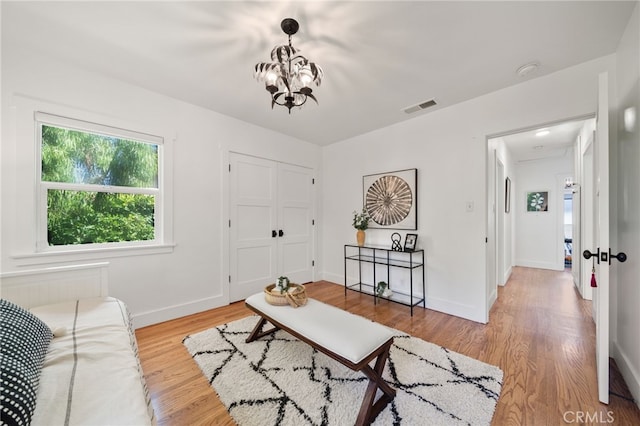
{"x": 370, "y": 257}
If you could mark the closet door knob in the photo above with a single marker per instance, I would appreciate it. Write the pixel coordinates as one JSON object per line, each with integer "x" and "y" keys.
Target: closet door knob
{"x": 274, "y": 233}
{"x": 280, "y": 233}
{"x": 622, "y": 256}
{"x": 588, "y": 255}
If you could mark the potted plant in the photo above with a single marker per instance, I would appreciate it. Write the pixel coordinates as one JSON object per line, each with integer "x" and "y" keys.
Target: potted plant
{"x": 383, "y": 290}
{"x": 282, "y": 284}
{"x": 361, "y": 223}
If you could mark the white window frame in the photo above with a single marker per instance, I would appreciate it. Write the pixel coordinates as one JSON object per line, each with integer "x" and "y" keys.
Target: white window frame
{"x": 160, "y": 206}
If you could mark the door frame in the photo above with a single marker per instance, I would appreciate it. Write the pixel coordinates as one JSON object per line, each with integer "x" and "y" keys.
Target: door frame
{"x": 492, "y": 231}
{"x": 587, "y": 238}
{"x": 500, "y": 222}
{"x": 601, "y": 303}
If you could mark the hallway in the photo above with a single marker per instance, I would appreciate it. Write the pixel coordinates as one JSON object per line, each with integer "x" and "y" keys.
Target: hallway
{"x": 548, "y": 354}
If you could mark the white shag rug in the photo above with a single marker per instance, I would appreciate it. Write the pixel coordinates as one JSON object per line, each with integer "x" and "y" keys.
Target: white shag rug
{"x": 279, "y": 380}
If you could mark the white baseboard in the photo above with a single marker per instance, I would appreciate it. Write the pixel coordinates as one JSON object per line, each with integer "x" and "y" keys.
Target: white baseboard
{"x": 492, "y": 299}
{"x": 459, "y": 310}
{"x": 540, "y": 265}
{"x": 334, "y": 278}
{"x": 440, "y": 305}
{"x": 507, "y": 275}
{"x": 144, "y": 319}
{"x": 629, "y": 374}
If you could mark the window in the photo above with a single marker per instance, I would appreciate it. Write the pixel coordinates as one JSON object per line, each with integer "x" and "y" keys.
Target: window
{"x": 99, "y": 185}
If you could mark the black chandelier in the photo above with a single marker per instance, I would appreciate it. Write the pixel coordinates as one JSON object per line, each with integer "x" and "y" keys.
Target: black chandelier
{"x": 289, "y": 77}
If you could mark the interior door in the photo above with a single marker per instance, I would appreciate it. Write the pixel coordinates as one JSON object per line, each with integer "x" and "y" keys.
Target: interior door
{"x": 271, "y": 224}
{"x": 295, "y": 221}
{"x": 253, "y": 219}
{"x": 601, "y": 235}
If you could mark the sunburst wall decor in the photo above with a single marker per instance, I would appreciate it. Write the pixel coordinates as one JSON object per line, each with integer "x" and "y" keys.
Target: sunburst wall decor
{"x": 391, "y": 199}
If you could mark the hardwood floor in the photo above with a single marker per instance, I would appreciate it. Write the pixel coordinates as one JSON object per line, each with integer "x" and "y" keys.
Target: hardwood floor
{"x": 540, "y": 333}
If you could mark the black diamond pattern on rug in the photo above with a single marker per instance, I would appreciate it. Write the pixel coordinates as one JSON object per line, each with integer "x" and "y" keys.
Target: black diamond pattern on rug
{"x": 279, "y": 380}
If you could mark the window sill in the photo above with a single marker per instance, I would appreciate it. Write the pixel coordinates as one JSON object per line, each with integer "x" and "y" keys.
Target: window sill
{"x": 90, "y": 254}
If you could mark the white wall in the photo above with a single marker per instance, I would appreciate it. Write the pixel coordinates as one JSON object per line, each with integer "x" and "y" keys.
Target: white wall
{"x": 157, "y": 287}
{"x": 625, "y": 290}
{"x": 508, "y": 234}
{"x": 540, "y": 235}
{"x": 448, "y": 147}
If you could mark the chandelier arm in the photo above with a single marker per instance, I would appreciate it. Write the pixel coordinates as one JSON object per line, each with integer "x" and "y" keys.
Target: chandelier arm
{"x": 312, "y": 97}
{"x": 276, "y": 96}
{"x": 304, "y": 60}
{"x": 304, "y": 97}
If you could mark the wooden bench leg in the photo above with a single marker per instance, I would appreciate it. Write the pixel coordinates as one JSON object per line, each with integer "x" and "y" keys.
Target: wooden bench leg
{"x": 257, "y": 331}
{"x": 371, "y": 408}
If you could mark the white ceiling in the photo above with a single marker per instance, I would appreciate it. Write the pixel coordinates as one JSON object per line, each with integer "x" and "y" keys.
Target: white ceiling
{"x": 379, "y": 57}
{"x": 544, "y": 142}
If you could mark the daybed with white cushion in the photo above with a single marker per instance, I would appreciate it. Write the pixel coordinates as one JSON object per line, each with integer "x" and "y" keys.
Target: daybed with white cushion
{"x": 84, "y": 340}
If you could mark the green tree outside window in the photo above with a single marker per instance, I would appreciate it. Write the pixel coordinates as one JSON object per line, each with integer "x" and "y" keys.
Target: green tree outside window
{"x": 121, "y": 180}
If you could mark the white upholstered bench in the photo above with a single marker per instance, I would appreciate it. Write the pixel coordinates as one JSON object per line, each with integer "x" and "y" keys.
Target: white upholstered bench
{"x": 352, "y": 340}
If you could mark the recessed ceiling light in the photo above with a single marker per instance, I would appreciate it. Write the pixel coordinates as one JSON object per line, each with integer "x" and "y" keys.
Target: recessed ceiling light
{"x": 527, "y": 69}
{"x": 542, "y": 132}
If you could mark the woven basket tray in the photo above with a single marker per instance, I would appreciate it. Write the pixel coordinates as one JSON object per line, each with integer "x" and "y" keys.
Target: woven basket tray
{"x": 296, "y": 297}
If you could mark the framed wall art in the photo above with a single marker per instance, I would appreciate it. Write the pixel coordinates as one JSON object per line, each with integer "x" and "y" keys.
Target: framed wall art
{"x": 391, "y": 199}
{"x": 538, "y": 201}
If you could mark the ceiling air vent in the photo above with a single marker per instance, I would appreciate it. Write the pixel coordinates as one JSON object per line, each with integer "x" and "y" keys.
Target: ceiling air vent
{"x": 424, "y": 105}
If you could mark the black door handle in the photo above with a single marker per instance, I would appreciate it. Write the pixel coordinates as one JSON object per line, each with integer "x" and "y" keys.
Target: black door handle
{"x": 273, "y": 233}
{"x": 588, "y": 255}
{"x": 606, "y": 257}
{"x": 280, "y": 233}
{"x": 622, "y": 256}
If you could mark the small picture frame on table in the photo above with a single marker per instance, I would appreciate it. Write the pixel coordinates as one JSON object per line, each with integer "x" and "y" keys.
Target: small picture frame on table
{"x": 410, "y": 242}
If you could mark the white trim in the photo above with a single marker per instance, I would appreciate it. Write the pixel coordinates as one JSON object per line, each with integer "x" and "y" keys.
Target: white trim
{"x": 553, "y": 266}
{"x": 93, "y": 253}
{"x": 629, "y": 373}
{"x": 87, "y": 187}
{"x": 42, "y": 245}
{"x": 156, "y": 316}
{"x": 101, "y": 129}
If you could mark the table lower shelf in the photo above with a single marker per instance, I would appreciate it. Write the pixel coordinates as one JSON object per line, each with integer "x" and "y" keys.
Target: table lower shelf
{"x": 401, "y": 298}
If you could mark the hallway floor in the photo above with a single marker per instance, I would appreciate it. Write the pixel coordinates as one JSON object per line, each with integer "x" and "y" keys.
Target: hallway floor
{"x": 549, "y": 353}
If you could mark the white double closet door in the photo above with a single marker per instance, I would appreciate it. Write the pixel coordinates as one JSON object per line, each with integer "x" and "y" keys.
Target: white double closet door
{"x": 271, "y": 224}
